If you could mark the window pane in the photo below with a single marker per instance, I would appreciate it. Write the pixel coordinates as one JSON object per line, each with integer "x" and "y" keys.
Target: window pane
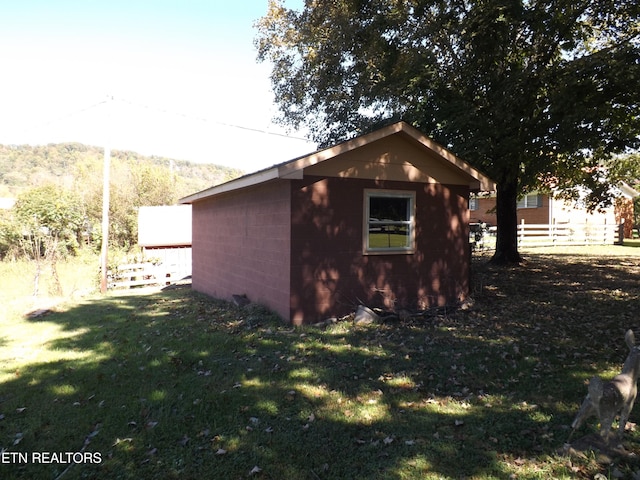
{"x": 389, "y": 208}
{"x": 529, "y": 201}
{"x": 389, "y": 236}
{"x": 390, "y": 222}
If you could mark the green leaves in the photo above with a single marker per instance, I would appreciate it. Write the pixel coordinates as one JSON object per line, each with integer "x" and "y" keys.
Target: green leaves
{"x": 515, "y": 88}
{"x": 51, "y": 221}
{"x": 50, "y": 208}
{"x": 72, "y": 172}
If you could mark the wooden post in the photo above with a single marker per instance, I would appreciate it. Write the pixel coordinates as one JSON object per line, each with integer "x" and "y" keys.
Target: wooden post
{"x": 106, "y": 168}
{"x": 621, "y": 233}
{"x": 521, "y": 232}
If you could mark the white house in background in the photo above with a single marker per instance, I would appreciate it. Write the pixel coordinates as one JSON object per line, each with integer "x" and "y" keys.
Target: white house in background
{"x": 164, "y": 234}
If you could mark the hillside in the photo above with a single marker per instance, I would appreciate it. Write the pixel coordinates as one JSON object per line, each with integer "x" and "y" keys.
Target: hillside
{"x": 70, "y": 164}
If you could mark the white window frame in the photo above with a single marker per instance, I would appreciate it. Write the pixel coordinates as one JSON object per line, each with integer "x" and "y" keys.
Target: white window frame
{"x": 530, "y": 200}
{"x": 369, "y": 222}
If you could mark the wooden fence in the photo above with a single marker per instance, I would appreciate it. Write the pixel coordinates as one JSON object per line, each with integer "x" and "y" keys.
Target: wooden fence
{"x": 532, "y": 235}
{"x": 560, "y": 234}
{"x": 144, "y": 274}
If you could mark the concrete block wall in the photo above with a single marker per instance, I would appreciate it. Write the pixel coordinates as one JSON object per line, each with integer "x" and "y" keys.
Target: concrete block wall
{"x": 241, "y": 245}
{"x": 330, "y": 273}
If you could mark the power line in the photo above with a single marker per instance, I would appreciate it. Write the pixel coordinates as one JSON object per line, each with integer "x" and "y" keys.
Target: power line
{"x": 61, "y": 118}
{"x": 206, "y": 120}
{"x": 160, "y": 110}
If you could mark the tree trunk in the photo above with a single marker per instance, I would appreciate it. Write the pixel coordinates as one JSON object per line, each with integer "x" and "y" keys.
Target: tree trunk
{"x": 507, "y": 218}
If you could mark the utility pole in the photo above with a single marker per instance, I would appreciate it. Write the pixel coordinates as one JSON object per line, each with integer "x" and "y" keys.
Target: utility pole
{"x": 106, "y": 169}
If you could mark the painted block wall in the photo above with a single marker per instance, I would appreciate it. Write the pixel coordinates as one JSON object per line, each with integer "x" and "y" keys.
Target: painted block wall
{"x": 241, "y": 245}
{"x": 330, "y": 274}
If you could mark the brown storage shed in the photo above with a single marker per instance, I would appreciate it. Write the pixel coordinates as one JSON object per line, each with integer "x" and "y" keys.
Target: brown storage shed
{"x": 381, "y": 219}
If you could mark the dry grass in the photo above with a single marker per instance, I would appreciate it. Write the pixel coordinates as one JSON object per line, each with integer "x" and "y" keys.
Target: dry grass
{"x": 78, "y": 277}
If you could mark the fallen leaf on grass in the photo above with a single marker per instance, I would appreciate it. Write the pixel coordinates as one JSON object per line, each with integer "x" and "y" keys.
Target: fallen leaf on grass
{"x": 18, "y": 438}
{"x": 21, "y": 409}
{"x": 255, "y": 470}
{"x": 387, "y": 440}
{"x": 221, "y": 451}
{"x": 291, "y": 395}
{"x": 119, "y": 440}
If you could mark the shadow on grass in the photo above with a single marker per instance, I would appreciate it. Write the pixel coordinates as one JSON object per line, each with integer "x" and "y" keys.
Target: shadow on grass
{"x": 176, "y": 384}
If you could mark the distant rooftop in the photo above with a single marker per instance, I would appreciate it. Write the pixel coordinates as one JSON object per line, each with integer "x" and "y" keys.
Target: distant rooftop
{"x": 7, "y": 203}
{"x": 164, "y": 226}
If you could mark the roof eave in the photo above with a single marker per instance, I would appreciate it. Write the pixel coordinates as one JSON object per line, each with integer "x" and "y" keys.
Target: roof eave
{"x": 294, "y": 169}
{"x": 242, "y": 182}
{"x": 478, "y": 181}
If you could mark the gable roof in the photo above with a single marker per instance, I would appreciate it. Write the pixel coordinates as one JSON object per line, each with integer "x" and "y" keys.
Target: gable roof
{"x": 294, "y": 169}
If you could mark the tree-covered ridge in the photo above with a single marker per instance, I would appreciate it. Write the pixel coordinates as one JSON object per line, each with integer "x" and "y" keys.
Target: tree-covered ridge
{"x": 64, "y": 164}
{"x": 74, "y": 171}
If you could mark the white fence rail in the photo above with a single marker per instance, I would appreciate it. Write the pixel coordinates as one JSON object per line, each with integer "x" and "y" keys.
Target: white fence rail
{"x": 141, "y": 274}
{"x": 543, "y": 235}
{"x": 532, "y": 235}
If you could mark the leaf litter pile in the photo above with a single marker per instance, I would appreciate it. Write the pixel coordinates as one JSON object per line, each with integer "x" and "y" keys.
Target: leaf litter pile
{"x": 178, "y": 385}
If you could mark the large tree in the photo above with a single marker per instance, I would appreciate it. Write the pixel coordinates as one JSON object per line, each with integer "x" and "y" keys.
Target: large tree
{"x": 528, "y": 91}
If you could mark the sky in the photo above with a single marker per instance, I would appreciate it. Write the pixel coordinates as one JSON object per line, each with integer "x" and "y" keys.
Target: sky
{"x": 174, "y": 78}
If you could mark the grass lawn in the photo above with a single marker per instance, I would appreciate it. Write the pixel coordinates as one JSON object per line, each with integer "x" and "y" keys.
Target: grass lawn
{"x": 389, "y": 240}
{"x": 174, "y": 384}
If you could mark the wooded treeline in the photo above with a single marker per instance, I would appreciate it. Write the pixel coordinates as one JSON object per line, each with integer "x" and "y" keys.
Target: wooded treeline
{"x": 75, "y": 170}
{"x": 26, "y": 166}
